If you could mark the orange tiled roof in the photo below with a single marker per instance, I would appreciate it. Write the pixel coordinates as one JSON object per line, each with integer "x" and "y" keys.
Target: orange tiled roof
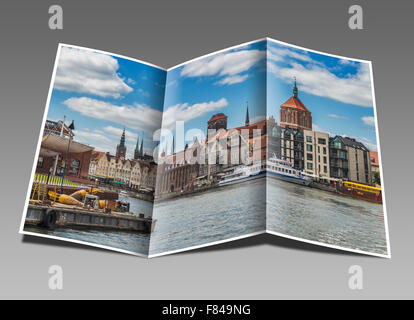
{"x": 293, "y": 102}
{"x": 218, "y": 116}
{"x": 374, "y": 155}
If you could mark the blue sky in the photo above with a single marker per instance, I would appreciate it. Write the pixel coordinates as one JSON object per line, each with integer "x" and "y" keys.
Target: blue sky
{"x": 103, "y": 94}
{"x": 336, "y": 91}
{"x": 223, "y": 82}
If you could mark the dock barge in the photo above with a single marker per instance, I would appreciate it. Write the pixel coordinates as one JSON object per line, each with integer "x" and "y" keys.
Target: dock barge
{"x": 62, "y": 216}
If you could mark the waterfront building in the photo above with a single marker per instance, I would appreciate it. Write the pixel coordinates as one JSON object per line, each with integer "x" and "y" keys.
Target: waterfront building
{"x": 93, "y": 165}
{"x": 294, "y": 114}
{"x": 294, "y": 119}
{"x": 373, "y": 156}
{"x": 217, "y": 122}
{"x": 135, "y": 180}
{"x": 349, "y": 160}
{"x": 175, "y": 174}
{"x": 149, "y": 174}
{"x": 135, "y": 173}
{"x": 292, "y": 147}
{"x": 316, "y": 154}
{"x": 54, "y": 155}
{"x": 274, "y": 134}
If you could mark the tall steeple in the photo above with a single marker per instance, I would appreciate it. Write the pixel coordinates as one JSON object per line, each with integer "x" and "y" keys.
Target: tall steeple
{"x": 173, "y": 146}
{"x": 122, "y": 143}
{"x": 136, "y": 151}
{"x": 247, "y": 114}
{"x": 141, "y": 149}
{"x": 295, "y": 90}
{"x": 121, "y": 148}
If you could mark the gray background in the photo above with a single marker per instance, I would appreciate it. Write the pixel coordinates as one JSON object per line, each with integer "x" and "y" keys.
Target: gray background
{"x": 167, "y": 33}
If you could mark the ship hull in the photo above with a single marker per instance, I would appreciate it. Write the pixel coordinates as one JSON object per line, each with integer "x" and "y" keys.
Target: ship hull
{"x": 240, "y": 180}
{"x": 283, "y": 177}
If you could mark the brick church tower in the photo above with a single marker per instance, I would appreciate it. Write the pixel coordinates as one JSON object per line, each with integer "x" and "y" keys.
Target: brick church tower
{"x": 217, "y": 122}
{"x": 294, "y": 114}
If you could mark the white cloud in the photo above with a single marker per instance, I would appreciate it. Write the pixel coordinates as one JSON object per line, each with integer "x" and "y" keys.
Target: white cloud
{"x": 368, "y": 143}
{"x": 90, "y": 136}
{"x": 224, "y": 65}
{"x": 257, "y": 118}
{"x": 138, "y": 117}
{"x": 185, "y": 112}
{"x": 315, "y": 78}
{"x": 370, "y": 121}
{"x": 317, "y": 128}
{"x": 89, "y": 72}
{"x": 143, "y": 92}
{"x": 117, "y": 132}
{"x": 337, "y": 116}
{"x": 276, "y": 54}
{"x": 108, "y": 138}
{"x": 233, "y": 79}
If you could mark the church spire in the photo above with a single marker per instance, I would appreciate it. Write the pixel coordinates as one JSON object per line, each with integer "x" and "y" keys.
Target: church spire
{"x": 122, "y": 142}
{"x": 137, "y": 145}
{"x": 295, "y": 90}
{"x": 136, "y": 151}
{"x": 121, "y": 148}
{"x": 141, "y": 149}
{"x": 173, "y": 146}
{"x": 247, "y": 114}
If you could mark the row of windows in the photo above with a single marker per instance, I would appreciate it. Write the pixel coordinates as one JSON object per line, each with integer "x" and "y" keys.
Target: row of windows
{"x": 280, "y": 169}
{"x": 309, "y": 166}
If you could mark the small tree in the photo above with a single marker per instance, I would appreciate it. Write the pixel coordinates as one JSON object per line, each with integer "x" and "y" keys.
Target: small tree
{"x": 377, "y": 177}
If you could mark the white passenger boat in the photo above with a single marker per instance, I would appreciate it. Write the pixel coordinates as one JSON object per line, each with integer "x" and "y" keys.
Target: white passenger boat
{"x": 243, "y": 173}
{"x": 283, "y": 170}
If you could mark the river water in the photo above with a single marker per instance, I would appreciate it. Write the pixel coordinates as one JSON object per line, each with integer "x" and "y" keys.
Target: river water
{"x": 325, "y": 217}
{"x": 133, "y": 242}
{"x": 215, "y": 215}
{"x": 240, "y": 209}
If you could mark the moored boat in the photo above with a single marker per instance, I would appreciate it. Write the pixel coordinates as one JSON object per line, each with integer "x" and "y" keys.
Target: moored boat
{"x": 243, "y": 173}
{"x": 361, "y": 191}
{"x": 283, "y": 170}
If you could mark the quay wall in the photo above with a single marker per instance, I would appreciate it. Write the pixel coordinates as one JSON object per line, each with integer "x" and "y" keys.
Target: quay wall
{"x": 52, "y": 217}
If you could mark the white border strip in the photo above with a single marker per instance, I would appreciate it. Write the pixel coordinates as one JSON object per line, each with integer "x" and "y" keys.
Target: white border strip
{"x": 384, "y": 204}
{"x": 332, "y": 246}
{"x": 206, "y": 244}
{"x": 86, "y": 243}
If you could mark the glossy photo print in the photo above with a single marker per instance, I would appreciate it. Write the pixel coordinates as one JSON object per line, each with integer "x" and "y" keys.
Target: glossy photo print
{"x": 324, "y": 173}
{"x": 206, "y": 192}
{"x": 94, "y": 174}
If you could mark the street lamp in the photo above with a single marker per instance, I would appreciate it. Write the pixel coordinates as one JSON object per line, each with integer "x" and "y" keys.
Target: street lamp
{"x": 71, "y": 127}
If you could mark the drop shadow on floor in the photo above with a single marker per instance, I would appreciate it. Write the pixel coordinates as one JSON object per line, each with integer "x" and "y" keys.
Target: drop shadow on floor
{"x": 258, "y": 240}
